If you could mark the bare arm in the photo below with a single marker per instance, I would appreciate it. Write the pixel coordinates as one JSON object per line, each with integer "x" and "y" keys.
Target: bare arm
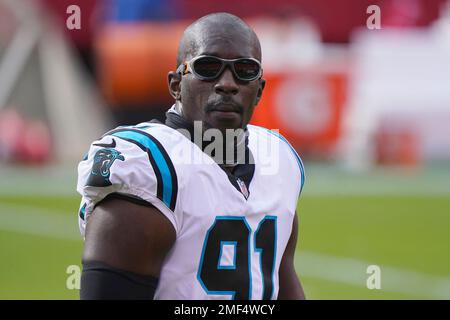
{"x": 290, "y": 286}
{"x": 128, "y": 236}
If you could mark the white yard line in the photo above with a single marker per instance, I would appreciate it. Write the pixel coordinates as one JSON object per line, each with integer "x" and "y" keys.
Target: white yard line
{"x": 349, "y": 271}
{"x": 41, "y": 222}
{"x": 320, "y": 181}
{"x": 352, "y": 272}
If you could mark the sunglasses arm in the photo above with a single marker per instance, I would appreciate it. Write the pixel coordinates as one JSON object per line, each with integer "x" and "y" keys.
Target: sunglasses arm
{"x": 183, "y": 68}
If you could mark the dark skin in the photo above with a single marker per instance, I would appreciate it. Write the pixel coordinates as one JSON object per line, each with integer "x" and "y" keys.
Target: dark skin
{"x": 128, "y": 236}
{"x": 137, "y": 238}
{"x": 198, "y": 97}
{"x": 290, "y": 286}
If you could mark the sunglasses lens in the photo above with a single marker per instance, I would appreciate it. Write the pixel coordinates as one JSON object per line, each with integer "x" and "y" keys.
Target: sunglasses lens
{"x": 207, "y": 67}
{"x": 246, "y": 69}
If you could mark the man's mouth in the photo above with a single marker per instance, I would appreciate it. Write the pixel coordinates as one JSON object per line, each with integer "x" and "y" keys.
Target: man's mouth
{"x": 226, "y": 107}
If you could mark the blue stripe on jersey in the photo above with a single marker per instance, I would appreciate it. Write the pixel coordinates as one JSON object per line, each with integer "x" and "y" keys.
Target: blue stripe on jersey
{"x": 83, "y": 211}
{"x": 299, "y": 160}
{"x": 161, "y": 162}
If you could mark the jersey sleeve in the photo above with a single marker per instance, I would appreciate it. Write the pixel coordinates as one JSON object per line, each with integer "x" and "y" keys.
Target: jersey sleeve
{"x": 131, "y": 163}
{"x": 300, "y": 168}
{"x": 293, "y": 170}
{"x": 293, "y": 161}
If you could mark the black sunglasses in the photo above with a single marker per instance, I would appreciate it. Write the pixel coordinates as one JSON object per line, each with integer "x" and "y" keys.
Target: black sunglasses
{"x": 211, "y": 67}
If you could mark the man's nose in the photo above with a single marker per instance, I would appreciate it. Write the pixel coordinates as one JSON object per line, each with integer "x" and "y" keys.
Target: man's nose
{"x": 226, "y": 85}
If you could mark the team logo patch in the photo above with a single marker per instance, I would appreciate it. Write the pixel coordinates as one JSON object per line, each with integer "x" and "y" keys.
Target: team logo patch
{"x": 103, "y": 160}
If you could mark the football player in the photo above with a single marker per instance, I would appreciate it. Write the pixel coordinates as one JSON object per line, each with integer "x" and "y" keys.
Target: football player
{"x": 164, "y": 218}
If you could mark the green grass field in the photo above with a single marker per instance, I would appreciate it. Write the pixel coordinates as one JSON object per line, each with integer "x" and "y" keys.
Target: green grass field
{"x": 342, "y": 231}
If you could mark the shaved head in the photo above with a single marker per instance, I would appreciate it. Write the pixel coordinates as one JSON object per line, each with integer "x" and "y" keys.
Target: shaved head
{"x": 225, "y": 101}
{"x": 223, "y": 26}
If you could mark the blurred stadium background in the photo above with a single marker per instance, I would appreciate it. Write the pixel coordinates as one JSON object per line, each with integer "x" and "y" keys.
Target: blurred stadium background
{"x": 368, "y": 111}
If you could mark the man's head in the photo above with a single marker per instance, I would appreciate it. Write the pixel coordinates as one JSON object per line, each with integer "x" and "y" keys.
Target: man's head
{"x": 224, "y": 102}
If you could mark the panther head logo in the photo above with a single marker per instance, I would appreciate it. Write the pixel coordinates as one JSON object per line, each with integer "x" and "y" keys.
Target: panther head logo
{"x": 103, "y": 160}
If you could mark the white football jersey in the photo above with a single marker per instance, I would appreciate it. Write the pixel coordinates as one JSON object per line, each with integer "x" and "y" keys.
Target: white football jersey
{"x": 230, "y": 234}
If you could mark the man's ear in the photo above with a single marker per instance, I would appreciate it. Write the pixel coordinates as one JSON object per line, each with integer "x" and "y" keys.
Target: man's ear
{"x": 262, "y": 84}
{"x": 174, "y": 81}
